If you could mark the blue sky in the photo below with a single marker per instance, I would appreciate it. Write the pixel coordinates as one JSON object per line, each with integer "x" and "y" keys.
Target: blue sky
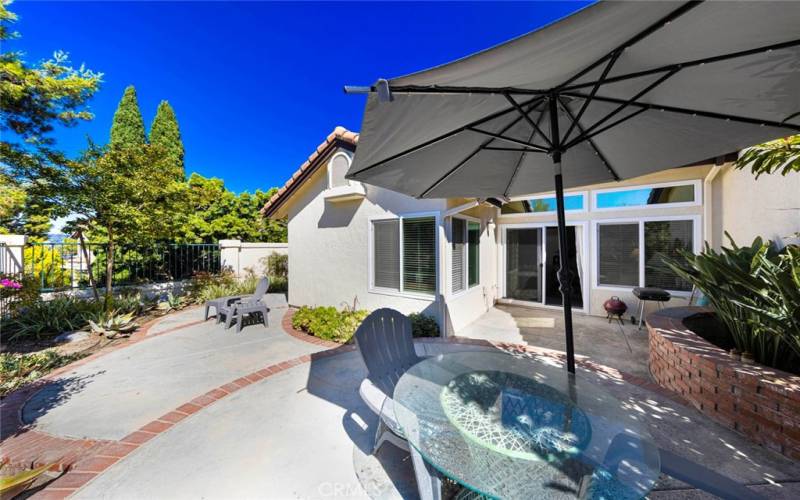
{"x": 257, "y": 86}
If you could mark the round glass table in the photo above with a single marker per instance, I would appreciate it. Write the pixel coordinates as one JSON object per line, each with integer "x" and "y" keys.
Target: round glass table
{"x": 509, "y": 427}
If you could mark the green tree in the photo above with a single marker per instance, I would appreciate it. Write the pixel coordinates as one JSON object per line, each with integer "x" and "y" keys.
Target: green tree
{"x": 165, "y": 132}
{"x": 781, "y": 155}
{"x": 34, "y": 99}
{"x": 125, "y": 194}
{"x": 127, "y": 129}
{"x": 215, "y": 213}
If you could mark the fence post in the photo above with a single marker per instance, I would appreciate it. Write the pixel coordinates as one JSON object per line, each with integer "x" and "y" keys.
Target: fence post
{"x": 229, "y": 254}
{"x": 12, "y": 257}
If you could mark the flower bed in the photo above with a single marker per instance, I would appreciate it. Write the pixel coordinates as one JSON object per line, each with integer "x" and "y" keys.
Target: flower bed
{"x": 760, "y": 402}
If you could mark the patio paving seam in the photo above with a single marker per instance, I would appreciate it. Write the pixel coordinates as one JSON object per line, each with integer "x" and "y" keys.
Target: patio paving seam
{"x": 21, "y": 445}
{"x": 109, "y": 453}
{"x": 100, "y": 455}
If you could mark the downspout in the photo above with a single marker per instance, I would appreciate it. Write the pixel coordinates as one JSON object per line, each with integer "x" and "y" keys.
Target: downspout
{"x": 708, "y": 201}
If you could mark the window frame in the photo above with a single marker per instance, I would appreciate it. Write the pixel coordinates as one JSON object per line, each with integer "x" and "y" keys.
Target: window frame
{"x": 695, "y": 183}
{"x": 696, "y": 247}
{"x": 467, "y": 219}
{"x": 371, "y": 256}
{"x": 584, "y": 194}
{"x": 329, "y": 170}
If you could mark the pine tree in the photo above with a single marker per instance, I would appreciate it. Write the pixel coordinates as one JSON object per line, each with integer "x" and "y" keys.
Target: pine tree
{"x": 127, "y": 129}
{"x": 165, "y": 132}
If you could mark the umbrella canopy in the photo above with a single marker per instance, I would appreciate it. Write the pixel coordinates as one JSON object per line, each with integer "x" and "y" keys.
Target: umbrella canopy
{"x": 614, "y": 91}
{"x": 639, "y": 86}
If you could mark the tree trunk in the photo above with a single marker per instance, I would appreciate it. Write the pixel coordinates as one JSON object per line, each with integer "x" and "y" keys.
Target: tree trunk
{"x": 88, "y": 265}
{"x": 109, "y": 268}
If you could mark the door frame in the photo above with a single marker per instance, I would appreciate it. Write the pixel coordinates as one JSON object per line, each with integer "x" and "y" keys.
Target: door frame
{"x": 582, "y": 226}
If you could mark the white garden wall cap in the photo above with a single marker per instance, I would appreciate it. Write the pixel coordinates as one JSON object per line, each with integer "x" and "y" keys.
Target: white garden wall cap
{"x": 339, "y": 134}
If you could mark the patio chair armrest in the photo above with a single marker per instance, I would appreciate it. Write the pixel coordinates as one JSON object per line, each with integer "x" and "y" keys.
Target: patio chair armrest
{"x": 373, "y": 397}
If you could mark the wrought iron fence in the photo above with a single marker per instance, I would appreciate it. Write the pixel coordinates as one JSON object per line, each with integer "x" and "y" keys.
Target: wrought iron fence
{"x": 66, "y": 265}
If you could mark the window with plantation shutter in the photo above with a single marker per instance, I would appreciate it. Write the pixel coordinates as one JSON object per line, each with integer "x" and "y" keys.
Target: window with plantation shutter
{"x": 419, "y": 255}
{"x": 666, "y": 239}
{"x": 618, "y": 259}
{"x": 386, "y": 258}
{"x": 458, "y": 244}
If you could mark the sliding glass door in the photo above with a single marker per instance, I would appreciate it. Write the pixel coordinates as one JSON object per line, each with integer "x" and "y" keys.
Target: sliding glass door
{"x": 532, "y": 263}
{"x": 524, "y": 264}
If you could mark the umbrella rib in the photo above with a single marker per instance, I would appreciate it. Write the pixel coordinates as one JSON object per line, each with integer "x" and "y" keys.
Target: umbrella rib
{"x": 444, "y": 136}
{"x": 586, "y": 137}
{"x": 693, "y": 112}
{"x": 519, "y": 162}
{"x": 528, "y": 119}
{"x": 509, "y": 139}
{"x": 591, "y": 142}
{"x": 687, "y": 64}
{"x": 468, "y": 158}
{"x": 627, "y": 103}
{"x": 595, "y": 88}
{"x": 683, "y": 9}
{"x": 518, "y": 150}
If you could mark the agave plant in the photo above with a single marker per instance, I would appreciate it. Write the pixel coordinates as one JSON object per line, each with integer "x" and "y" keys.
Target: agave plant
{"x": 112, "y": 324}
{"x": 171, "y": 302}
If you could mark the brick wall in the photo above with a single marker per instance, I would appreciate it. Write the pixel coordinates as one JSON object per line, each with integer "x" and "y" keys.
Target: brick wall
{"x": 760, "y": 402}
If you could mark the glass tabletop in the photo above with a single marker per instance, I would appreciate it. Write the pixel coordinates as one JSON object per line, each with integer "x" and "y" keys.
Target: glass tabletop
{"x": 509, "y": 427}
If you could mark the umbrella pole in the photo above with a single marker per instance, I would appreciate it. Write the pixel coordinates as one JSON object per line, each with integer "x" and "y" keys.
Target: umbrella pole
{"x": 564, "y": 275}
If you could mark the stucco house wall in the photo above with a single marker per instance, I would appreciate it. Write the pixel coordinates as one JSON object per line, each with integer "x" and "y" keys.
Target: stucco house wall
{"x": 329, "y": 260}
{"x": 746, "y": 207}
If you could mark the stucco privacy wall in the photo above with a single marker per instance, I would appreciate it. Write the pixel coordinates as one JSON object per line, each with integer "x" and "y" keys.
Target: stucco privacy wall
{"x": 747, "y": 207}
{"x": 241, "y": 257}
{"x": 597, "y": 295}
{"x": 329, "y": 261}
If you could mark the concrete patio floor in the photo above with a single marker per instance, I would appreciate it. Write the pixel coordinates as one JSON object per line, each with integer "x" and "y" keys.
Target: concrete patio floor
{"x": 594, "y": 337}
{"x": 303, "y": 432}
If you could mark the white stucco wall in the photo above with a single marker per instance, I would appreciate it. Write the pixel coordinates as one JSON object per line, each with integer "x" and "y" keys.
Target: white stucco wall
{"x": 467, "y": 306}
{"x": 747, "y": 207}
{"x": 244, "y": 256}
{"x": 328, "y": 264}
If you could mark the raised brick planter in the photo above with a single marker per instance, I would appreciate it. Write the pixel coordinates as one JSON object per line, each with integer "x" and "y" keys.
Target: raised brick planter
{"x": 760, "y": 402}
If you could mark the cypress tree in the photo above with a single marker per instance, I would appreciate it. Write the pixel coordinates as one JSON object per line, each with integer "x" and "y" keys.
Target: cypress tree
{"x": 165, "y": 132}
{"x": 127, "y": 129}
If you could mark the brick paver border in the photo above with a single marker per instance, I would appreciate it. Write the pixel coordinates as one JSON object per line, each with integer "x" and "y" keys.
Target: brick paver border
{"x": 27, "y": 447}
{"x": 91, "y": 458}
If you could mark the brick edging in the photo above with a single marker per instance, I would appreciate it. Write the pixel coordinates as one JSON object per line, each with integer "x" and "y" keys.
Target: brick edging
{"x": 286, "y": 323}
{"x": 761, "y": 403}
{"x": 92, "y": 460}
{"x": 28, "y": 447}
{"x": 102, "y": 457}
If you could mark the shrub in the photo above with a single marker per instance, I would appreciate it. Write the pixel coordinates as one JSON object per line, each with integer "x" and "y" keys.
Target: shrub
{"x": 328, "y": 323}
{"x": 755, "y": 291}
{"x": 51, "y": 317}
{"x": 47, "y": 265}
{"x": 278, "y": 284}
{"x": 277, "y": 265}
{"x": 206, "y": 286}
{"x": 19, "y": 369}
{"x": 423, "y": 326}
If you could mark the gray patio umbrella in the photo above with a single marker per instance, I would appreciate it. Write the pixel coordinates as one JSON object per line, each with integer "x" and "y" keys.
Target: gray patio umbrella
{"x": 614, "y": 91}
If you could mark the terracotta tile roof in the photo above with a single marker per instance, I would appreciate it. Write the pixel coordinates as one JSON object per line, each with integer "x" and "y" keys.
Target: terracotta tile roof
{"x": 339, "y": 134}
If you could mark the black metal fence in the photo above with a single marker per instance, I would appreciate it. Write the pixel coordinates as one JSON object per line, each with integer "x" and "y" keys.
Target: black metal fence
{"x": 66, "y": 265}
